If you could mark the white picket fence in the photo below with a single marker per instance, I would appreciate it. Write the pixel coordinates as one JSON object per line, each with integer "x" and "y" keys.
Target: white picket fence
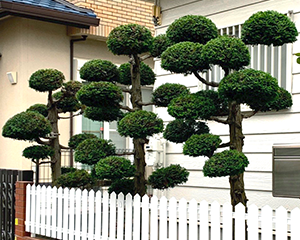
{"x": 76, "y": 214}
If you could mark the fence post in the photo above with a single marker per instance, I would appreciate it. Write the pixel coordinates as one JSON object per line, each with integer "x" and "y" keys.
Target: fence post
{"x": 20, "y": 207}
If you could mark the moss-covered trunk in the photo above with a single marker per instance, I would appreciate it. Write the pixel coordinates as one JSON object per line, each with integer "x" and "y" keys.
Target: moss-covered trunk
{"x": 237, "y": 188}
{"x": 54, "y": 140}
{"x": 139, "y": 144}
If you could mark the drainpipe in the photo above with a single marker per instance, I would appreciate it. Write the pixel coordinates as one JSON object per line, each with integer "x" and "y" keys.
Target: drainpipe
{"x": 72, "y": 41}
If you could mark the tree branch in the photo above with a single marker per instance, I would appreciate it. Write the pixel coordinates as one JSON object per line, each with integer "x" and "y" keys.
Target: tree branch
{"x": 201, "y": 79}
{"x": 40, "y": 141}
{"x": 146, "y": 104}
{"x": 45, "y": 162}
{"x": 125, "y": 89}
{"x": 223, "y": 145}
{"x": 125, "y": 153}
{"x": 63, "y": 147}
{"x": 145, "y": 57}
{"x": 74, "y": 115}
{"x": 249, "y": 115}
{"x": 219, "y": 120}
{"x": 126, "y": 108}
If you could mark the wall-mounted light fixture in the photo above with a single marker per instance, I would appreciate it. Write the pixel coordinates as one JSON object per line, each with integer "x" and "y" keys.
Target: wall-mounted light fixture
{"x": 12, "y": 77}
{"x": 156, "y": 12}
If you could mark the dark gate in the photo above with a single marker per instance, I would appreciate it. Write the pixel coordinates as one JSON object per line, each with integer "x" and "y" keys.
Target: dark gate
{"x": 8, "y": 179}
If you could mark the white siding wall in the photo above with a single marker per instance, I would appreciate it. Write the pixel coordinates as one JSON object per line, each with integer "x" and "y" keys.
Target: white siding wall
{"x": 261, "y": 131}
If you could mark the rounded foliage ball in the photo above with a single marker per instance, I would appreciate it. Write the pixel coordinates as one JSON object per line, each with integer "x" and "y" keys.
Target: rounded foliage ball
{"x": 168, "y": 177}
{"x": 140, "y": 124}
{"x": 129, "y": 39}
{"x": 226, "y": 163}
{"x": 114, "y": 168}
{"x": 66, "y": 103}
{"x": 40, "y": 108}
{"x": 75, "y": 140}
{"x": 106, "y": 114}
{"x": 98, "y": 70}
{"x": 70, "y": 88}
{"x": 79, "y": 178}
{"x": 99, "y": 94}
{"x": 192, "y": 28}
{"x": 92, "y": 150}
{"x": 269, "y": 27}
{"x": 184, "y": 57}
{"x": 45, "y": 80}
{"x": 201, "y": 145}
{"x": 252, "y": 87}
{"x": 26, "y": 126}
{"x": 124, "y": 185}
{"x": 163, "y": 95}
{"x": 192, "y": 106}
{"x": 179, "y": 130}
{"x": 227, "y": 52}
{"x": 38, "y": 152}
{"x": 283, "y": 100}
{"x": 147, "y": 74}
{"x": 160, "y": 44}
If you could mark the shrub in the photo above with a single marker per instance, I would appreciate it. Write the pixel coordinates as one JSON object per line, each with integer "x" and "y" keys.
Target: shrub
{"x": 114, "y": 168}
{"x": 124, "y": 185}
{"x": 160, "y": 44}
{"x": 192, "y": 28}
{"x": 79, "y": 178}
{"x": 75, "y": 140}
{"x": 226, "y": 163}
{"x": 45, "y": 80}
{"x": 26, "y": 126}
{"x": 269, "y": 27}
{"x": 38, "y": 152}
{"x": 168, "y": 177}
{"x": 140, "y": 124}
{"x": 90, "y": 151}
{"x": 66, "y": 103}
{"x": 201, "y": 145}
{"x": 179, "y": 130}
{"x": 129, "y": 39}
{"x": 98, "y": 70}
{"x": 163, "y": 95}
{"x": 106, "y": 113}
{"x": 40, "y": 108}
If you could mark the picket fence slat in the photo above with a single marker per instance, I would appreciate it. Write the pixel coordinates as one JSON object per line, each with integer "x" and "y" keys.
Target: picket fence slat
{"x": 76, "y": 214}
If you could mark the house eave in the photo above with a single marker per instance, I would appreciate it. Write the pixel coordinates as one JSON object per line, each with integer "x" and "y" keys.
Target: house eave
{"x": 44, "y": 14}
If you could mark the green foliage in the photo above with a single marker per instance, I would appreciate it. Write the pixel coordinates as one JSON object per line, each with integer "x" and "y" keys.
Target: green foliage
{"x": 226, "y": 163}
{"x": 107, "y": 113}
{"x": 98, "y": 70}
{"x": 227, "y": 52}
{"x": 168, "y": 177}
{"x": 67, "y": 169}
{"x": 179, "y": 130}
{"x": 184, "y": 57}
{"x": 79, "y": 178}
{"x": 201, "y": 145}
{"x": 160, "y": 44}
{"x": 163, "y": 95}
{"x": 283, "y": 100}
{"x": 38, "y": 152}
{"x": 192, "y": 106}
{"x": 99, "y": 94}
{"x": 75, "y": 140}
{"x": 45, "y": 80}
{"x": 66, "y": 103}
{"x": 147, "y": 74}
{"x": 220, "y": 104}
{"x": 140, "y": 124}
{"x": 70, "y": 88}
{"x": 124, "y": 185}
{"x": 90, "y": 151}
{"x": 129, "y": 39}
{"x": 192, "y": 28}
{"x": 40, "y": 108}
{"x": 269, "y": 27}
{"x": 298, "y": 57}
{"x": 26, "y": 126}
{"x": 252, "y": 87}
{"x": 114, "y": 168}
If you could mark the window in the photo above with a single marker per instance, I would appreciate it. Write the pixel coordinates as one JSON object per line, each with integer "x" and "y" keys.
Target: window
{"x": 269, "y": 59}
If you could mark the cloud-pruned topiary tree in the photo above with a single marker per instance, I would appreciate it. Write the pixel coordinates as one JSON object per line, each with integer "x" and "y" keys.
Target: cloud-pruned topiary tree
{"x": 39, "y": 123}
{"x": 102, "y": 94}
{"x": 195, "y": 47}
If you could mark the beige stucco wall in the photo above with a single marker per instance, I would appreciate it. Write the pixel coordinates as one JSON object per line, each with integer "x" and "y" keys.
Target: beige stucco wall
{"x": 26, "y": 46}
